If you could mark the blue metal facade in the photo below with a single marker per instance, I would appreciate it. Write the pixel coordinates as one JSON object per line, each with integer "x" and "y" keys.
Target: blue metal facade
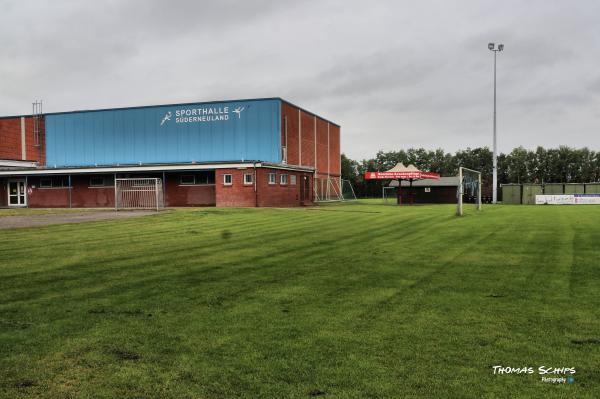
{"x": 202, "y": 132}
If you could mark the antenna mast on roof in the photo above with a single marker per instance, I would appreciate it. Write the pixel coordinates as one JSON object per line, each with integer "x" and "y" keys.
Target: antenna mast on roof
{"x": 37, "y": 116}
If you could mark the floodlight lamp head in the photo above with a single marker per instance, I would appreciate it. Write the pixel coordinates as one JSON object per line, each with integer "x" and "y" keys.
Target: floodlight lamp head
{"x": 491, "y": 46}
{"x": 500, "y": 47}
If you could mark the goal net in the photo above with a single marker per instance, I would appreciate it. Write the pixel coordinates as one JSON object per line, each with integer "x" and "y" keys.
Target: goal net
{"x": 348, "y": 193}
{"x": 142, "y": 193}
{"x": 469, "y": 186}
{"x": 333, "y": 189}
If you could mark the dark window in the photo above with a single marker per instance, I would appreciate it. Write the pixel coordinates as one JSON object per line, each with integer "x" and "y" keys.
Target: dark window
{"x": 61, "y": 181}
{"x": 46, "y": 183}
{"x": 227, "y": 179}
{"x": 205, "y": 177}
{"x": 97, "y": 181}
{"x": 187, "y": 179}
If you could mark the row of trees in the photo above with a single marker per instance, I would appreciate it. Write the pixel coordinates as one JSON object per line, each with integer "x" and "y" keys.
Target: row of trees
{"x": 553, "y": 165}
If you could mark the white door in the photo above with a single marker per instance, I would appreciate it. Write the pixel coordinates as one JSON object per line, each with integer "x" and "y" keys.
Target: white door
{"x": 17, "y": 193}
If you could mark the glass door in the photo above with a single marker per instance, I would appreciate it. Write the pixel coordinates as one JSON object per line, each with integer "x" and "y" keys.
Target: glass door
{"x": 16, "y": 193}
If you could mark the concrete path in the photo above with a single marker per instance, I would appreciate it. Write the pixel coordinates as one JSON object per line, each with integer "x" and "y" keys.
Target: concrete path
{"x": 10, "y": 222}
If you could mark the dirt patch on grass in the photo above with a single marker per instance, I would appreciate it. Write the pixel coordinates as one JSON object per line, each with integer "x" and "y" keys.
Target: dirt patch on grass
{"x": 11, "y": 222}
{"x": 127, "y": 312}
{"x": 587, "y": 341}
{"x": 25, "y": 384}
{"x": 125, "y": 355}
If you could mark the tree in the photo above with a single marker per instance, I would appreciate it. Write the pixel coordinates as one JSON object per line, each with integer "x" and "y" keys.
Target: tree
{"x": 553, "y": 165}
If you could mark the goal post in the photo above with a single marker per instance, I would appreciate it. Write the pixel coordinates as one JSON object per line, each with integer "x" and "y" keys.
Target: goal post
{"x": 139, "y": 193}
{"x": 471, "y": 180}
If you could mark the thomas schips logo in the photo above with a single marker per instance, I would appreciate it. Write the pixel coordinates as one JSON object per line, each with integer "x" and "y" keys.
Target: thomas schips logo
{"x": 554, "y": 375}
{"x": 167, "y": 117}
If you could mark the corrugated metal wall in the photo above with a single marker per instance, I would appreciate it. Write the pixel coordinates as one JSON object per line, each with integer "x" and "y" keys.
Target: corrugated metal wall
{"x": 511, "y": 193}
{"x": 161, "y": 134}
{"x": 574, "y": 188}
{"x": 529, "y": 193}
{"x": 554, "y": 188}
{"x": 592, "y": 188}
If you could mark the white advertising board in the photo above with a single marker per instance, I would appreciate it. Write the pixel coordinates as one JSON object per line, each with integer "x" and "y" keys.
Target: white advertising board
{"x": 568, "y": 199}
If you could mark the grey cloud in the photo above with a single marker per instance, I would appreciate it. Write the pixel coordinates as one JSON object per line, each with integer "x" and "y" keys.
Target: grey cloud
{"x": 392, "y": 73}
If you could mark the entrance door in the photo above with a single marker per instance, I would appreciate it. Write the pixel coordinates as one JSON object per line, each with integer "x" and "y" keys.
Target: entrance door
{"x": 304, "y": 189}
{"x": 17, "y": 193}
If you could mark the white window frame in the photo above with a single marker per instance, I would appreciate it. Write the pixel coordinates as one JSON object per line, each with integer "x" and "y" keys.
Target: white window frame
{"x": 293, "y": 180}
{"x": 272, "y": 178}
{"x": 246, "y": 182}
{"x": 283, "y": 177}
{"x": 225, "y": 183}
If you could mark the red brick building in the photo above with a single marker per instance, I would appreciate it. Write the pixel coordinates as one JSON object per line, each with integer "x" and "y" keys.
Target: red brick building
{"x": 249, "y": 153}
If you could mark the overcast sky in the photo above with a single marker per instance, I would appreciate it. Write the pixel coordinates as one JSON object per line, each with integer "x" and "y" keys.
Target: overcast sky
{"x": 393, "y": 74}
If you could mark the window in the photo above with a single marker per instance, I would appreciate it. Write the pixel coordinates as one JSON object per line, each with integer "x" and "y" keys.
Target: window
{"x": 272, "y": 178}
{"x": 60, "y": 182}
{"x": 187, "y": 179}
{"x": 248, "y": 178}
{"x": 293, "y": 179}
{"x": 227, "y": 180}
{"x": 54, "y": 182}
{"x": 205, "y": 177}
{"x": 96, "y": 181}
{"x": 283, "y": 179}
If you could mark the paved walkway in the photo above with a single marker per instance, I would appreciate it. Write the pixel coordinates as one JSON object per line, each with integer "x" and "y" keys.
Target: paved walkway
{"x": 9, "y": 222}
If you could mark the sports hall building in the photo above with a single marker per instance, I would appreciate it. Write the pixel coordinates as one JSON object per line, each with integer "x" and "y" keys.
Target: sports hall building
{"x": 248, "y": 153}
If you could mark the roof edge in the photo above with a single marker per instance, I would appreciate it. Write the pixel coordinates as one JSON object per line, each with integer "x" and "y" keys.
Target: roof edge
{"x": 172, "y": 105}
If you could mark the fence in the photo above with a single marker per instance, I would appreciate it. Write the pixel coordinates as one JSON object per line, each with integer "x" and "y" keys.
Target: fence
{"x": 525, "y": 193}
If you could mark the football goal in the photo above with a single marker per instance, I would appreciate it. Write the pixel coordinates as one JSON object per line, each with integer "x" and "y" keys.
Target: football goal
{"x": 469, "y": 182}
{"x": 139, "y": 193}
{"x": 348, "y": 193}
{"x": 389, "y": 195}
{"x": 333, "y": 189}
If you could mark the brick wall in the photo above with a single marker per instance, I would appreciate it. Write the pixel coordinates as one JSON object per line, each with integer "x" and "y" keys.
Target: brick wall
{"x": 301, "y": 147}
{"x": 10, "y": 140}
{"x": 82, "y": 194}
{"x": 238, "y": 194}
{"x": 177, "y": 194}
{"x": 278, "y": 195}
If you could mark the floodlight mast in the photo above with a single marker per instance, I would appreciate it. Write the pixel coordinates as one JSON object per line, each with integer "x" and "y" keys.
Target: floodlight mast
{"x": 495, "y": 49}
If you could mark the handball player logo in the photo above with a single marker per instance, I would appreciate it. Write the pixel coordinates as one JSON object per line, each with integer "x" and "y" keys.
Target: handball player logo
{"x": 238, "y": 111}
{"x": 166, "y": 118}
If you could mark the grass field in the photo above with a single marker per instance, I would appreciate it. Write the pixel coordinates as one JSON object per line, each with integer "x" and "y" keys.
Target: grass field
{"x": 341, "y": 301}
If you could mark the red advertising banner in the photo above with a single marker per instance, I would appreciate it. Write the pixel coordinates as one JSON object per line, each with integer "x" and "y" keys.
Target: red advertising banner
{"x": 401, "y": 175}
